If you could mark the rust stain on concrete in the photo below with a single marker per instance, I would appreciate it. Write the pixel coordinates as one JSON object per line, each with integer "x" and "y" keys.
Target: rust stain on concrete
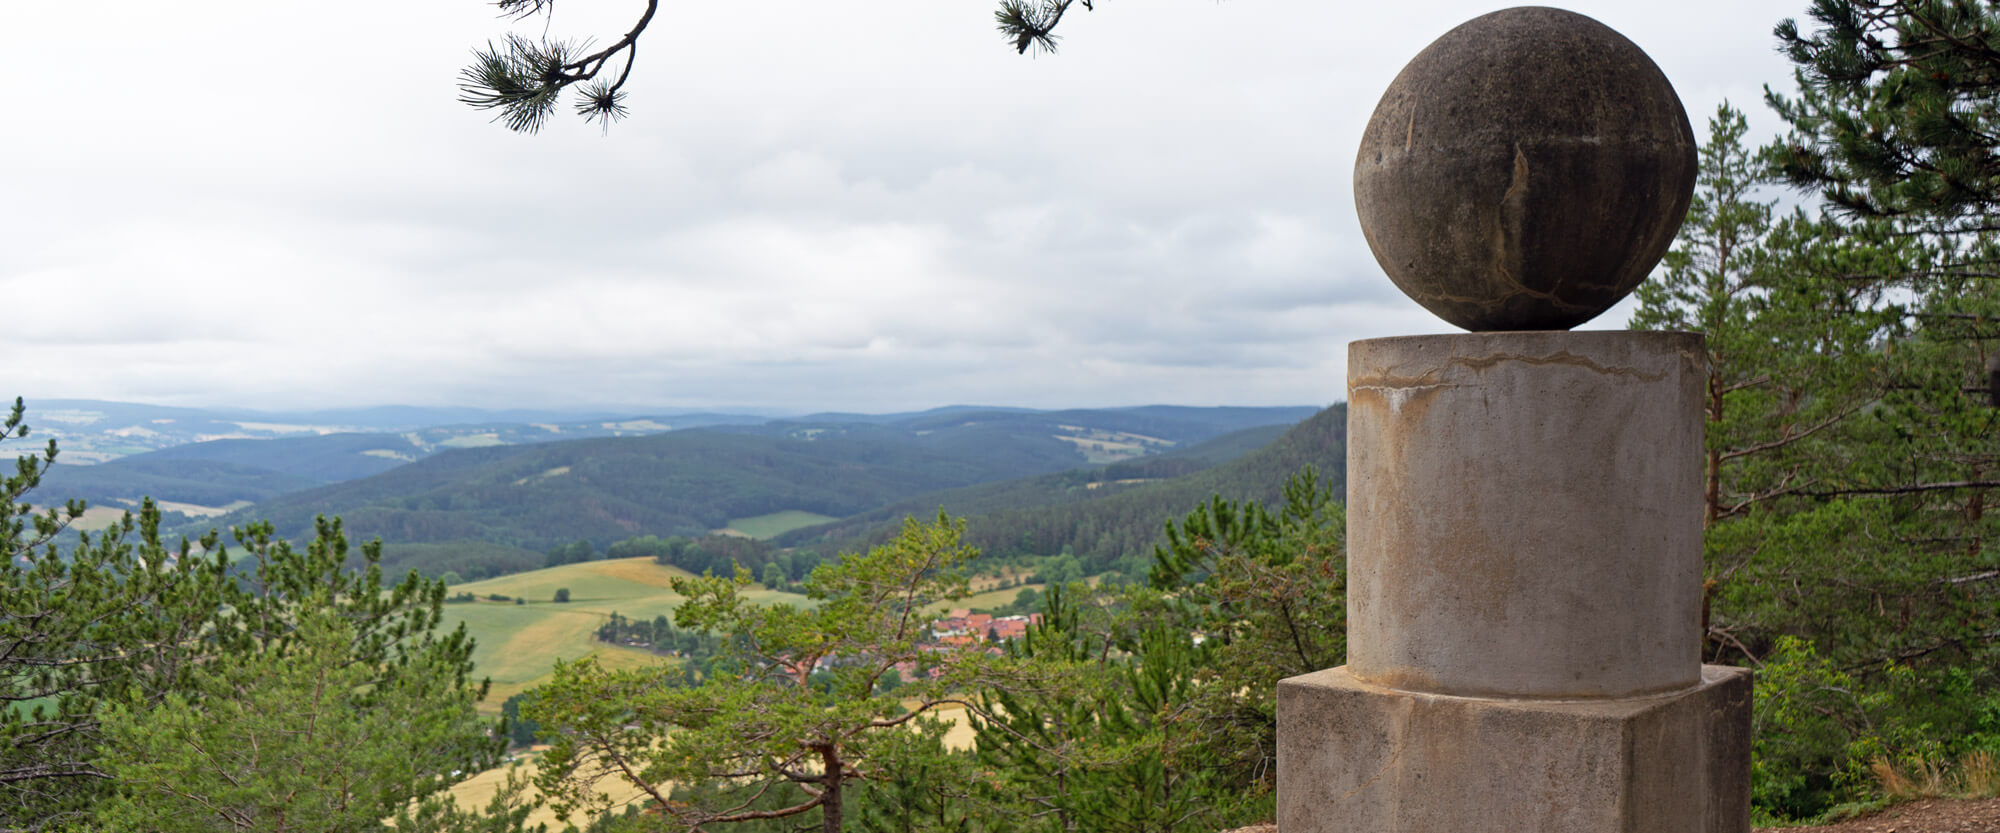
{"x": 1481, "y": 363}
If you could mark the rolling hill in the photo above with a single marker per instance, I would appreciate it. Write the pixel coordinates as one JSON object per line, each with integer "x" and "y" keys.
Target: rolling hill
{"x": 1110, "y": 518}
{"x": 694, "y": 481}
{"x": 207, "y": 472}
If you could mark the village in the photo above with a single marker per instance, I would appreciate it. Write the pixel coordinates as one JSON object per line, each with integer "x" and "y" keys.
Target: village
{"x": 958, "y": 630}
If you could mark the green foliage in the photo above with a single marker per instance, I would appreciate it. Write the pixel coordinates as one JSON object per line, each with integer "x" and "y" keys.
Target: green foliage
{"x": 764, "y": 527}
{"x": 680, "y": 483}
{"x": 507, "y": 812}
{"x": 923, "y": 791}
{"x": 1847, "y": 465}
{"x": 1823, "y": 734}
{"x": 524, "y": 79}
{"x": 795, "y": 701}
{"x": 122, "y": 631}
{"x": 575, "y": 552}
{"x": 200, "y": 482}
{"x": 562, "y": 594}
{"x": 1111, "y": 741}
{"x": 1813, "y": 733}
{"x": 471, "y": 560}
{"x": 107, "y": 619}
{"x": 1895, "y": 110}
{"x": 660, "y": 636}
{"x": 303, "y": 740}
{"x": 1029, "y": 600}
{"x": 1158, "y": 708}
{"x": 647, "y": 546}
{"x": 1031, "y": 24}
{"x": 1107, "y": 525}
{"x": 1269, "y": 592}
{"x": 520, "y": 730}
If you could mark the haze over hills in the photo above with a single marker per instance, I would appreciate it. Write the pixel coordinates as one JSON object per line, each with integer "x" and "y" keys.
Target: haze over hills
{"x": 94, "y": 431}
{"x": 528, "y": 495}
{"x": 1110, "y": 517}
{"x": 324, "y": 445}
{"x": 484, "y": 498}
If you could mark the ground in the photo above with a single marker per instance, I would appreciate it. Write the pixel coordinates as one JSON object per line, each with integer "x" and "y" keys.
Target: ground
{"x": 1930, "y": 815}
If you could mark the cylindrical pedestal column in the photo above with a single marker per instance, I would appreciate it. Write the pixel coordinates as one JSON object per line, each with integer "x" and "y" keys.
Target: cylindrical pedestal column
{"x": 1525, "y": 513}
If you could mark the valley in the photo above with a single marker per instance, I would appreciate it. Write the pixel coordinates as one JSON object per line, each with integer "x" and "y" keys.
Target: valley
{"x": 1049, "y": 495}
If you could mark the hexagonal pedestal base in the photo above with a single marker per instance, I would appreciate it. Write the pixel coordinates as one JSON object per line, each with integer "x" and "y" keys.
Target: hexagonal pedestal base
{"x": 1358, "y": 758}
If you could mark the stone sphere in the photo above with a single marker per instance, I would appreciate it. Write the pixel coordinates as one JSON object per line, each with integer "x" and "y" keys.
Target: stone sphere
{"x": 1525, "y": 171}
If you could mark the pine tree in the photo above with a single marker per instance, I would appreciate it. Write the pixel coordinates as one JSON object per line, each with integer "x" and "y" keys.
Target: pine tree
{"x": 105, "y": 634}
{"x": 1896, "y": 114}
{"x": 308, "y": 741}
{"x": 1850, "y": 450}
{"x": 793, "y": 714}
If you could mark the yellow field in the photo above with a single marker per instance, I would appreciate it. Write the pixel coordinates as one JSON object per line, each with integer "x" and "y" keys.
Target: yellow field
{"x": 519, "y": 644}
{"x": 197, "y": 511}
{"x": 94, "y": 517}
{"x": 988, "y": 600}
{"x": 474, "y": 793}
{"x": 99, "y": 517}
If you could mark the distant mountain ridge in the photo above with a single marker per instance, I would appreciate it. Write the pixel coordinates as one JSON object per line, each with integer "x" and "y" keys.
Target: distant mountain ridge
{"x": 96, "y": 431}
{"x": 683, "y": 482}
{"x": 1110, "y": 518}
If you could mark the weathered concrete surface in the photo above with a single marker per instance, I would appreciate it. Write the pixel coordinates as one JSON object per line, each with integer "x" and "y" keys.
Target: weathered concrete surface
{"x": 1524, "y": 513}
{"x": 1525, "y": 171}
{"x": 1358, "y": 758}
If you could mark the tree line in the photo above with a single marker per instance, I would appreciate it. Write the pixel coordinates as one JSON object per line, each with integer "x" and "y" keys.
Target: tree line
{"x": 204, "y": 685}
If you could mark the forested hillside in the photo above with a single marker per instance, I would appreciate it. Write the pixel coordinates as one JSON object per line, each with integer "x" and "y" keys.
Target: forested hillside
{"x": 515, "y": 499}
{"x": 1106, "y": 524}
{"x": 211, "y": 483}
{"x": 216, "y": 472}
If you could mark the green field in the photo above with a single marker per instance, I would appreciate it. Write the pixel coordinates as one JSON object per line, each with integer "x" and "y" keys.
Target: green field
{"x": 987, "y": 600}
{"x": 519, "y": 644}
{"x": 777, "y": 523}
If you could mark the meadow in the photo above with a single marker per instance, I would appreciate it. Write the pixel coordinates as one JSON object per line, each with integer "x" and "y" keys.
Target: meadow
{"x": 765, "y": 527}
{"x": 518, "y": 644}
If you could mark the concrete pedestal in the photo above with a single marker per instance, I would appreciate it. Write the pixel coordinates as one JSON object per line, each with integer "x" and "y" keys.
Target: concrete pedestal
{"x": 1524, "y": 513}
{"x": 1524, "y": 588}
{"x": 1355, "y": 757}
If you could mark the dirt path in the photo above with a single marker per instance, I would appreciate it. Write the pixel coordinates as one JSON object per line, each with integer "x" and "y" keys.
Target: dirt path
{"x": 1930, "y": 815}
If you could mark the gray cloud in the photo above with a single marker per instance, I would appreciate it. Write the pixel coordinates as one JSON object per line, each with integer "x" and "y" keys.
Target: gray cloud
{"x": 264, "y": 206}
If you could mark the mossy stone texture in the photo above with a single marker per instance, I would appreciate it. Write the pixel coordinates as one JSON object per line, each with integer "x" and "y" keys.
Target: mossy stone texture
{"x": 1525, "y": 171}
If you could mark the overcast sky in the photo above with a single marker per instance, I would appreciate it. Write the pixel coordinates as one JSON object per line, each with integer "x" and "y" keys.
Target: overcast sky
{"x": 814, "y": 205}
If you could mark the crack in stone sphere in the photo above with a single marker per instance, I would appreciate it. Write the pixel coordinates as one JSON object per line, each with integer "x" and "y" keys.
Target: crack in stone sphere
{"x": 1525, "y": 171}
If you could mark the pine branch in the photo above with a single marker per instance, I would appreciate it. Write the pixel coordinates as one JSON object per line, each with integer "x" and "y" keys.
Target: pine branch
{"x": 1914, "y": 488}
{"x": 523, "y": 78}
{"x": 1030, "y": 25}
